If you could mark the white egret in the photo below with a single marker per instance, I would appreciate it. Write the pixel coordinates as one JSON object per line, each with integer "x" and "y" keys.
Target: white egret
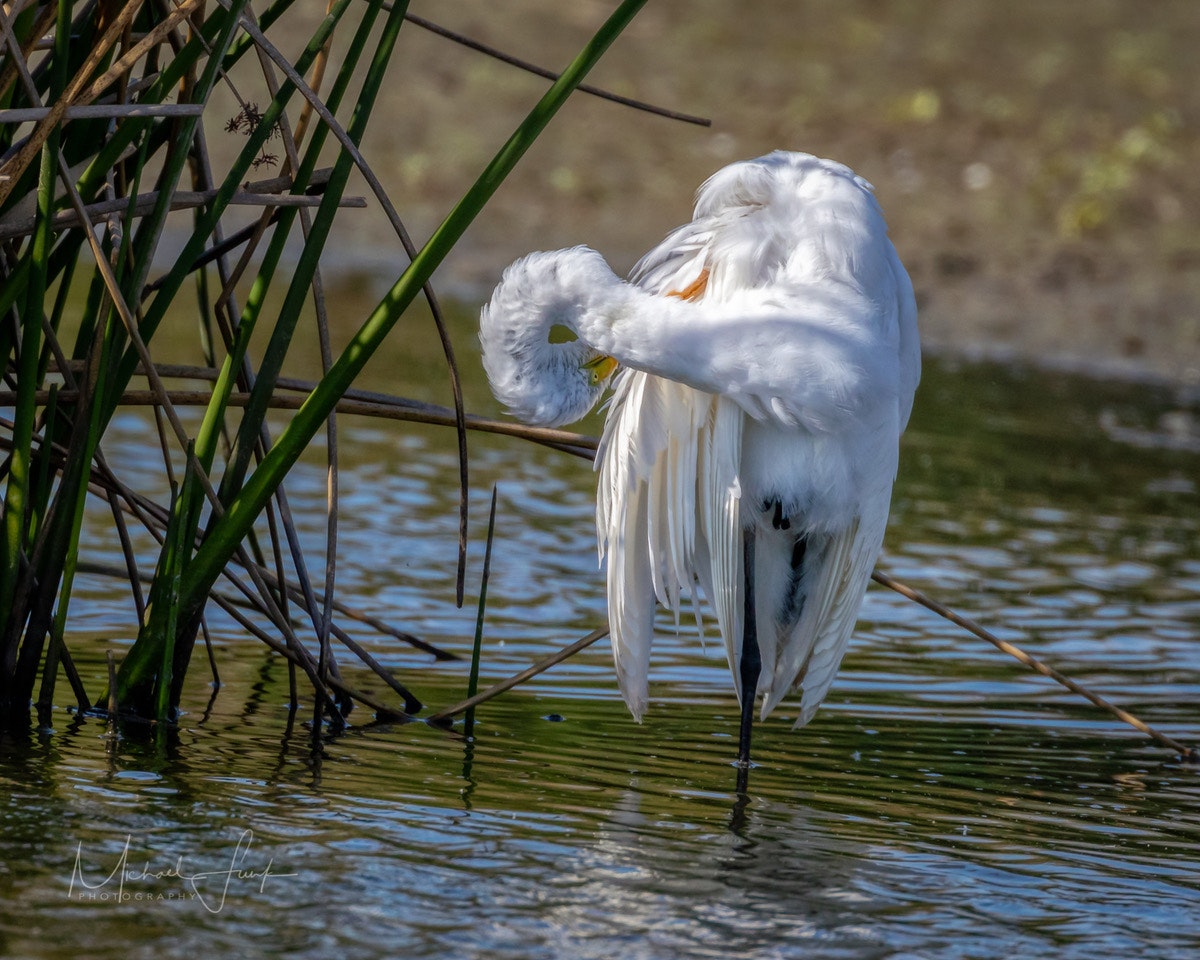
{"x": 766, "y": 357}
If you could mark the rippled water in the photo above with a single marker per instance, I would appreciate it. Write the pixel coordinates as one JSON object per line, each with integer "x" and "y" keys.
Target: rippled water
{"x": 945, "y": 803}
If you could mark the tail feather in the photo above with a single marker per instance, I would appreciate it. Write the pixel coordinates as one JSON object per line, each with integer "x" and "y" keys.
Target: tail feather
{"x": 808, "y": 647}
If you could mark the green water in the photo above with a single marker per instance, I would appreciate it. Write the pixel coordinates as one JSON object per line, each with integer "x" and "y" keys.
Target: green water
{"x": 945, "y": 803}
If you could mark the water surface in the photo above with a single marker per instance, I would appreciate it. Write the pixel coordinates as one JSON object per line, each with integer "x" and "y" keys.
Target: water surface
{"x": 945, "y": 803}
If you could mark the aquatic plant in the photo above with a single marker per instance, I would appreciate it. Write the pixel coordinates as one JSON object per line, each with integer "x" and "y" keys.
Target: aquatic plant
{"x": 102, "y": 136}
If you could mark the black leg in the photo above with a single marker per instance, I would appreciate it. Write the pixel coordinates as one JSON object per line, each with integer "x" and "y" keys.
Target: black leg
{"x": 751, "y": 662}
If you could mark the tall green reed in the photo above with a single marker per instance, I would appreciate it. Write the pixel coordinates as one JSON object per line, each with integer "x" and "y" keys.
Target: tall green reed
{"x": 84, "y": 202}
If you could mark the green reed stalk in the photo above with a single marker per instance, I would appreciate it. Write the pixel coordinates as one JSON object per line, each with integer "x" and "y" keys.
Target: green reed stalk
{"x": 477, "y": 649}
{"x": 52, "y": 556}
{"x": 229, "y": 531}
{"x": 16, "y": 494}
{"x": 18, "y": 668}
{"x": 141, "y": 670}
{"x": 209, "y": 434}
{"x": 292, "y": 308}
{"x": 44, "y": 492}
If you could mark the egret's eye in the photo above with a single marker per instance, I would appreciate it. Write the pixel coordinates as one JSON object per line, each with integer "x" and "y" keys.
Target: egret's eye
{"x": 599, "y": 369}
{"x": 561, "y": 334}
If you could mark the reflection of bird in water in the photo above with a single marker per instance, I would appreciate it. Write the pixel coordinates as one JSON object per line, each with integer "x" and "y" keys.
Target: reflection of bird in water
{"x": 766, "y": 356}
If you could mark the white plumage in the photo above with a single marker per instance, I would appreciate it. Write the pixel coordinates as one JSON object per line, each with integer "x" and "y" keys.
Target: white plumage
{"x": 768, "y": 356}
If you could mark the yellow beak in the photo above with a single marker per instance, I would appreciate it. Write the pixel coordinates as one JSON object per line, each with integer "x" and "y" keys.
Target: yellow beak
{"x": 599, "y": 369}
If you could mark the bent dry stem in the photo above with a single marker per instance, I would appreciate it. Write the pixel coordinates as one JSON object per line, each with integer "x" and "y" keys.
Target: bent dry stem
{"x": 1187, "y": 754}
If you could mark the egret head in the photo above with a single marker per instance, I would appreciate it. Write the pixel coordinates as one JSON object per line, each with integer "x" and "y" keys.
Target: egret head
{"x": 537, "y": 365}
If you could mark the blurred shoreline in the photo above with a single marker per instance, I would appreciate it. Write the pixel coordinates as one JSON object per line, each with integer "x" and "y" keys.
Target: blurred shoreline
{"x": 1035, "y": 160}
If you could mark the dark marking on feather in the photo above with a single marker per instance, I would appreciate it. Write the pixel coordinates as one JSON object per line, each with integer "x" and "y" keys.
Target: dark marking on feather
{"x": 793, "y": 598}
{"x": 799, "y": 548}
{"x": 780, "y": 520}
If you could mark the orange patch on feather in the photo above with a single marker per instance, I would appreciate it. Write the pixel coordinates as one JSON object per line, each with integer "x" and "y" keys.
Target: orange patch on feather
{"x": 694, "y": 290}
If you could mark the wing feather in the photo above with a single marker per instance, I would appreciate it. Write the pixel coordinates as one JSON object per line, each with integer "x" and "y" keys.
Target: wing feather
{"x": 811, "y": 648}
{"x": 666, "y": 506}
{"x": 646, "y": 512}
{"x": 631, "y": 602}
{"x": 667, "y": 513}
{"x": 721, "y": 525}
